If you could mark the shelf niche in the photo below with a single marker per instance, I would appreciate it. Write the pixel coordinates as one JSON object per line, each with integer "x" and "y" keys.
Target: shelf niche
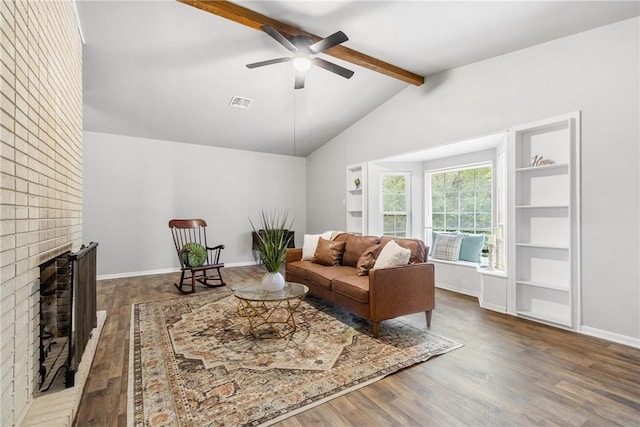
{"x": 546, "y": 220}
{"x": 356, "y": 199}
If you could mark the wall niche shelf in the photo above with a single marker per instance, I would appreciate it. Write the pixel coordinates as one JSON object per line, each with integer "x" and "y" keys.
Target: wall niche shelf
{"x": 544, "y": 200}
{"x": 356, "y": 199}
{"x": 544, "y": 168}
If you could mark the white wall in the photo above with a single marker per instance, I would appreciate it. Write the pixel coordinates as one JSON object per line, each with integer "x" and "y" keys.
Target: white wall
{"x": 134, "y": 186}
{"x": 595, "y": 72}
{"x": 326, "y": 189}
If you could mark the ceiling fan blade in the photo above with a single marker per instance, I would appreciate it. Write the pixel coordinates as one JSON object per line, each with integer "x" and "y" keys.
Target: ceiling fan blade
{"x": 268, "y": 62}
{"x": 300, "y": 77}
{"x": 328, "y": 42}
{"x": 334, "y": 68}
{"x": 277, "y": 36}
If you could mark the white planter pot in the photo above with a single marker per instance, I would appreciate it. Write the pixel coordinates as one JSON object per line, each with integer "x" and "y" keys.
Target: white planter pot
{"x": 273, "y": 281}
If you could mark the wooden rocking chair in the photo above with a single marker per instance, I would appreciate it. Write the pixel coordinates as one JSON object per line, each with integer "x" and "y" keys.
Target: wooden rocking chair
{"x": 198, "y": 261}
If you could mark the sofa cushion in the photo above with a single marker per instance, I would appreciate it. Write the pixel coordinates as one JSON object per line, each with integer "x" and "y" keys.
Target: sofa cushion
{"x": 340, "y": 237}
{"x": 328, "y": 252}
{"x": 391, "y": 255}
{"x": 323, "y": 275}
{"x": 352, "y": 286}
{"x": 335, "y": 234}
{"x": 417, "y": 247}
{"x": 355, "y": 247}
{"x": 310, "y": 243}
{"x": 298, "y": 268}
{"x": 368, "y": 259}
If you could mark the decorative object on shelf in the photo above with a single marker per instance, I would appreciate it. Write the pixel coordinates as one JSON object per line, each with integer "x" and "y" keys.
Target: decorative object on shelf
{"x": 357, "y": 183}
{"x": 484, "y": 257}
{"x": 491, "y": 242}
{"x": 538, "y": 160}
{"x": 274, "y": 238}
{"x": 497, "y": 231}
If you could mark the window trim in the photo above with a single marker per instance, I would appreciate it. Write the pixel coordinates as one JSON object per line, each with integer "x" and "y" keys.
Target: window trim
{"x": 407, "y": 212}
{"x": 428, "y": 225}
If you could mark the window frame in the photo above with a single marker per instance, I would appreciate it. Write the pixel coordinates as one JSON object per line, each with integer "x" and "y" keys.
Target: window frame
{"x": 428, "y": 198}
{"x": 406, "y": 212}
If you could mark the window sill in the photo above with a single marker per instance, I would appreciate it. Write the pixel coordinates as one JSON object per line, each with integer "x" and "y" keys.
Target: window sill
{"x": 459, "y": 263}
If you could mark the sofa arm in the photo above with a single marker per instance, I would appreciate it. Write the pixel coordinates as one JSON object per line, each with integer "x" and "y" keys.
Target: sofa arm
{"x": 293, "y": 254}
{"x": 400, "y": 290}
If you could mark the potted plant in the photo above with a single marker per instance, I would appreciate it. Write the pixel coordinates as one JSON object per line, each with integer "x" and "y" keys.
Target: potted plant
{"x": 274, "y": 238}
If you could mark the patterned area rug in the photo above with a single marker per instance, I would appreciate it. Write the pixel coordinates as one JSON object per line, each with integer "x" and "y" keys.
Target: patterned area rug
{"x": 193, "y": 361}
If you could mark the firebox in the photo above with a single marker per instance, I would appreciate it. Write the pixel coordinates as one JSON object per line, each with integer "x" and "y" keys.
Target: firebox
{"x": 67, "y": 315}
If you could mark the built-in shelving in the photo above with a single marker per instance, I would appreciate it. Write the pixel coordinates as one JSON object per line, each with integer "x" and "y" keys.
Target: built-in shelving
{"x": 546, "y": 221}
{"x": 541, "y": 245}
{"x": 356, "y": 199}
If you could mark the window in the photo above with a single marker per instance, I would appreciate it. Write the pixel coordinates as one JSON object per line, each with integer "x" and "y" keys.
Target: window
{"x": 459, "y": 200}
{"x": 395, "y": 204}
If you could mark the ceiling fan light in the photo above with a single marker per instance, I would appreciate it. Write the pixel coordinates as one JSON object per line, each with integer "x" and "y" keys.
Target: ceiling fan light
{"x": 301, "y": 64}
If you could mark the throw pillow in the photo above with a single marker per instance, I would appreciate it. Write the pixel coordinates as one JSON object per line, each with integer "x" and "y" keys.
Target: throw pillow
{"x": 434, "y": 234}
{"x": 310, "y": 244}
{"x": 356, "y": 245}
{"x": 328, "y": 252}
{"x": 392, "y": 254}
{"x": 447, "y": 247}
{"x": 416, "y": 246}
{"x": 194, "y": 254}
{"x": 471, "y": 247}
{"x": 367, "y": 260}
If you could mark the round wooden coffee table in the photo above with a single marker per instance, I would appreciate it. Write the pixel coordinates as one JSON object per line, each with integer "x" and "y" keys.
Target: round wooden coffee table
{"x": 269, "y": 313}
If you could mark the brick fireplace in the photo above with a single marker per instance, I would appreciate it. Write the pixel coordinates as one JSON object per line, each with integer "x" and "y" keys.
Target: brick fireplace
{"x": 41, "y": 178}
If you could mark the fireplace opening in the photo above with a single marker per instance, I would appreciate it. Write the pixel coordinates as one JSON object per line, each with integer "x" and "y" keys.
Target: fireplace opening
{"x": 55, "y": 317}
{"x": 67, "y": 316}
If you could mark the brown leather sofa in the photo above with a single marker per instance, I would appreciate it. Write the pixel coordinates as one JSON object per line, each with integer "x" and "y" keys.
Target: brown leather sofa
{"x": 383, "y": 294}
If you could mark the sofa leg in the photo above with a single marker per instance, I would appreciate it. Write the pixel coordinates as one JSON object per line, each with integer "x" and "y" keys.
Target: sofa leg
{"x": 375, "y": 329}
{"x": 428, "y": 316}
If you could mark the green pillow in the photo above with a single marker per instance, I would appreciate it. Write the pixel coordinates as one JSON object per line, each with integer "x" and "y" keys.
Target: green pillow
{"x": 471, "y": 247}
{"x": 196, "y": 254}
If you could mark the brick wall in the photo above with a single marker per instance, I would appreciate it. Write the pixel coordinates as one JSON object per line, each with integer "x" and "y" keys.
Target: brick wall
{"x": 41, "y": 171}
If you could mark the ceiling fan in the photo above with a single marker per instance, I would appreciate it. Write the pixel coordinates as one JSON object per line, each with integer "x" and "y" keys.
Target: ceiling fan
{"x": 303, "y": 50}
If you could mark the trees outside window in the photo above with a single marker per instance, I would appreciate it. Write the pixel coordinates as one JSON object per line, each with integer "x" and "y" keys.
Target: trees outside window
{"x": 395, "y": 204}
{"x": 459, "y": 200}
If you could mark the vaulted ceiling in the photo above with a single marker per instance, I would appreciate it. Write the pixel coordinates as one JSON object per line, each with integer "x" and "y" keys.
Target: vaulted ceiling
{"x": 162, "y": 69}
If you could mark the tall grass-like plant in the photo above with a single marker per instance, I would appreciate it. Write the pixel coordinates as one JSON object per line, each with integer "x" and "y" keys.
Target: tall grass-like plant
{"x": 274, "y": 238}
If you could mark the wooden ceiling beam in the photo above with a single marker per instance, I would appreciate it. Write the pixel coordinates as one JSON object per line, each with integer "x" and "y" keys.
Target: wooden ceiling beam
{"x": 255, "y": 20}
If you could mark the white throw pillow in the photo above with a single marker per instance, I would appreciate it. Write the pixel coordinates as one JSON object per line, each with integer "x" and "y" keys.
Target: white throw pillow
{"x": 392, "y": 254}
{"x": 447, "y": 247}
{"x": 311, "y": 243}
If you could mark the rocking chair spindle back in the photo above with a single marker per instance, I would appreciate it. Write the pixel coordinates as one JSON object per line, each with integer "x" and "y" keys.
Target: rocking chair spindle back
{"x": 193, "y": 231}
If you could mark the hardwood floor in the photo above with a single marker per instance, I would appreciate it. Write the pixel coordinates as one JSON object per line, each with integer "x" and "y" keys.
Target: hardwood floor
{"x": 510, "y": 371}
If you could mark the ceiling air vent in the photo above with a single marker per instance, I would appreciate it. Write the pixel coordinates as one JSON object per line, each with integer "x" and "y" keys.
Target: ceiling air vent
{"x": 240, "y": 102}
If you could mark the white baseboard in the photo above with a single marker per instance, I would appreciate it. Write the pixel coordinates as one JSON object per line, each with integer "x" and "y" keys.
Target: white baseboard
{"x": 493, "y": 307}
{"x": 163, "y": 271}
{"x": 137, "y": 273}
{"x": 610, "y": 336}
{"x": 458, "y": 289}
